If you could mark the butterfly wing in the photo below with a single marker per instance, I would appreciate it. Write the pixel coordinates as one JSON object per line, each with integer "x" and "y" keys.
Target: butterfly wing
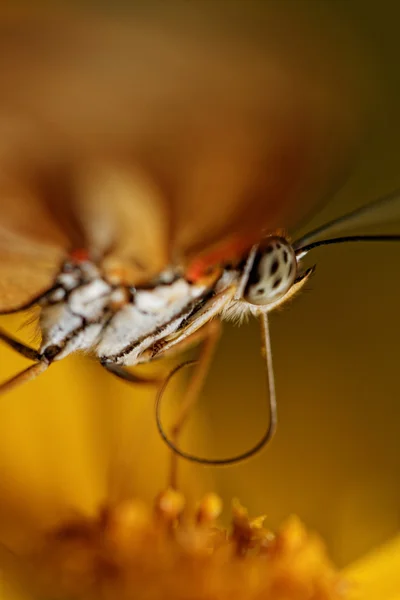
{"x": 25, "y": 276}
{"x": 32, "y": 246}
{"x": 125, "y": 219}
{"x": 149, "y": 136}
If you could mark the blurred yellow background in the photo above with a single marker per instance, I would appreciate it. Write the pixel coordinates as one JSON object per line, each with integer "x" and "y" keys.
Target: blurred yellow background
{"x": 335, "y": 460}
{"x": 336, "y": 457}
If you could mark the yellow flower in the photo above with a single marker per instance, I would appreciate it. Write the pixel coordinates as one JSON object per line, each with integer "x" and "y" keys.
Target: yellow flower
{"x": 76, "y": 521}
{"x": 377, "y": 576}
{"x": 130, "y": 551}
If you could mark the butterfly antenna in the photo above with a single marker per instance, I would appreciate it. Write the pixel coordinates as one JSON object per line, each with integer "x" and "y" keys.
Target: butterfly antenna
{"x": 383, "y": 210}
{"x": 303, "y": 250}
{"x": 266, "y": 438}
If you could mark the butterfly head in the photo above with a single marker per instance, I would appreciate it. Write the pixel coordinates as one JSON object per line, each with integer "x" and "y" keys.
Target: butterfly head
{"x": 273, "y": 274}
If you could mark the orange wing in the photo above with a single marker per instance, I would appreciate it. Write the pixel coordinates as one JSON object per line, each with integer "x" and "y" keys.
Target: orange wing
{"x": 149, "y": 136}
{"x": 32, "y": 246}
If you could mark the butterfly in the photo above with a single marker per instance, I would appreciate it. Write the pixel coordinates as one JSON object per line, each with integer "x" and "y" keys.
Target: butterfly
{"x": 123, "y": 325}
{"x": 142, "y": 142}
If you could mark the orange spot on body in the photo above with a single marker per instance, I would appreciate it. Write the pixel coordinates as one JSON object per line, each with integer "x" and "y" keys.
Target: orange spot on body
{"x": 230, "y": 252}
{"x": 80, "y": 255}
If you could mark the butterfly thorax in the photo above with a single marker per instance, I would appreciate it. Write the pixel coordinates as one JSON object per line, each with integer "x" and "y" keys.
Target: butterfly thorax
{"x": 120, "y": 324}
{"x": 84, "y": 311}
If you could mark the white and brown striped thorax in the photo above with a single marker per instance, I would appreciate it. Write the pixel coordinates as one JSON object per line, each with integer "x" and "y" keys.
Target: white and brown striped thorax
{"x": 84, "y": 311}
{"x": 126, "y": 325}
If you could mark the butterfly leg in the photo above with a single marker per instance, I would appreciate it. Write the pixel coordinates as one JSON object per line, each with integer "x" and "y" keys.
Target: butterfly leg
{"x": 24, "y": 376}
{"x": 209, "y": 336}
{"x": 22, "y": 349}
{"x": 41, "y": 363}
{"x": 129, "y": 376}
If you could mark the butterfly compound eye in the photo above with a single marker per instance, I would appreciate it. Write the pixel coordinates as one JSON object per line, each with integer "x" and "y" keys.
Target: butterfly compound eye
{"x": 273, "y": 272}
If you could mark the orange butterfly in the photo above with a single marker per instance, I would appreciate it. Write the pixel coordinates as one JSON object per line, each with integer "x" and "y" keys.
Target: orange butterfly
{"x": 149, "y": 141}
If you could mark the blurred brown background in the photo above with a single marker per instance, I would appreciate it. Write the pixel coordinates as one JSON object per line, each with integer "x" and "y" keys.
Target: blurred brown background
{"x": 335, "y": 460}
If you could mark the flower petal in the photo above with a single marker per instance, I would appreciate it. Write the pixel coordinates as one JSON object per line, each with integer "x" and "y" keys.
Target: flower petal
{"x": 377, "y": 575}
